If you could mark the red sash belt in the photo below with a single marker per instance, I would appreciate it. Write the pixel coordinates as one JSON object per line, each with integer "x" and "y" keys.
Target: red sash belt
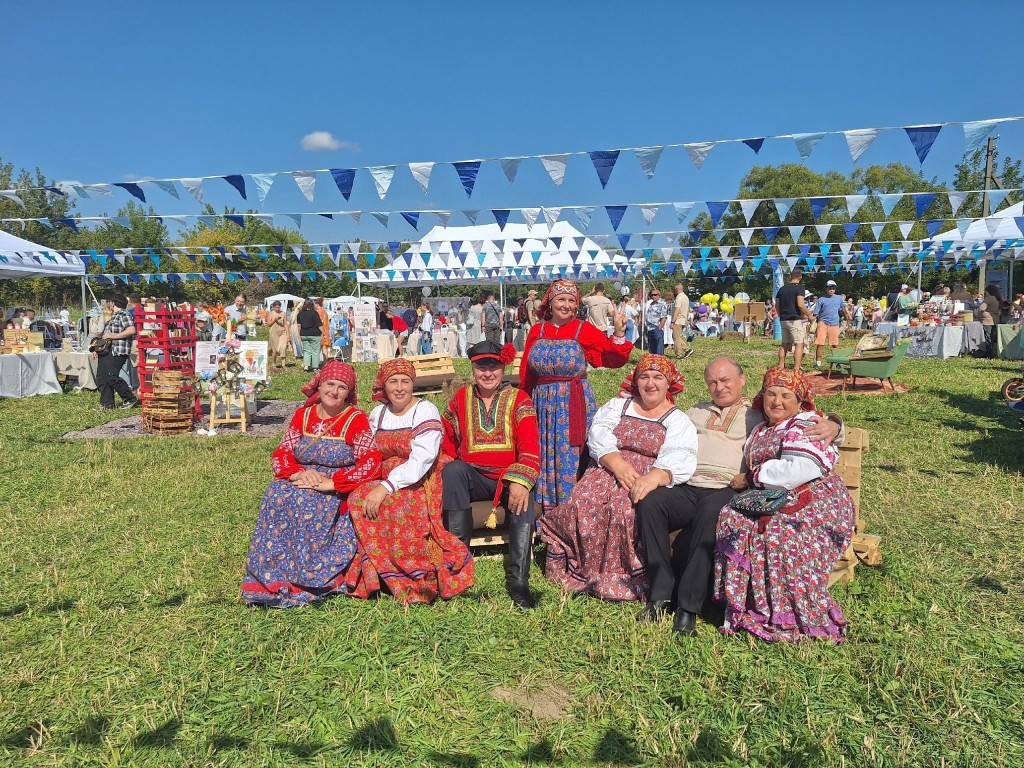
{"x": 577, "y": 407}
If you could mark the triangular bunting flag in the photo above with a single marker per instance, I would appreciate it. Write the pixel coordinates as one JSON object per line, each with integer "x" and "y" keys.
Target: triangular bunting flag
{"x": 749, "y": 207}
{"x": 806, "y": 142}
{"x": 471, "y": 215}
{"x": 889, "y": 202}
{"x": 770, "y": 233}
{"x": 851, "y": 229}
{"x": 421, "y": 173}
{"x": 649, "y": 212}
{"x": 698, "y": 152}
{"x": 306, "y": 182}
{"x": 818, "y": 204}
{"x": 648, "y": 158}
{"x": 382, "y": 176}
{"x": 922, "y": 137}
{"x": 859, "y": 140}
{"x": 237, "y": 181}
{"x": 604, "y": 163}
{"x": 745, "y": 233}
{"x": 133, "y": 189}
{"x": 823, "y": 230}
{"x": 442, "y": 217}
{"x": 876, "y": 230}
{"x": 853, "y": 204}
{"x": 510, "y": 165}
{"x": 717, "y": 209}
{"x": 529, "y": 215}
{"x": 583, "y": 216}
{"x": 551, "y": 215}
{"x": 956, "y": 199}
{"x": 263, "y": 182}
{"x": 467, "y": 170}
{"x": 905, "y": 227}
{"x": 995, "y": 198}
{"x": 976, "y": 132}
{"x": 754, "y": 144}
{"x": 413, "y": 217}
{"x": 922, "y": 201}
{"x": 382, "y": 216}
{"x": 194, "y": 187}
{"x": 555, "y": 166}
{"x": 615, "y": 214}
{"x": 501, "y": 216}
{"x": 782, "y": 206}
{"x": 344, "y": 178}
{"x": 795, "y": 232}
{"x": 683, "y": 211}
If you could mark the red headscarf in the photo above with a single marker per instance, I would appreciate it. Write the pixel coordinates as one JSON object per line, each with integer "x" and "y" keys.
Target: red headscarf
{"x": 557, "y": 288}
{"x": 335, "y": 370}
{"x": 660, "y": 363}
{"x": 792, "y": 380}
{"x": 388, "y": 369}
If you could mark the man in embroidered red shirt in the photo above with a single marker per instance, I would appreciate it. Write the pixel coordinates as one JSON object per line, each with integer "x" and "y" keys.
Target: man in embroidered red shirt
{"x": 490, "y": 430}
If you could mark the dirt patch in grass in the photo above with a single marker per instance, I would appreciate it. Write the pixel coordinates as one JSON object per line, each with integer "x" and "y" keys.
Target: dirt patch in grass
{"x": 549, "y": 702}
{"x": 269, "y": 421}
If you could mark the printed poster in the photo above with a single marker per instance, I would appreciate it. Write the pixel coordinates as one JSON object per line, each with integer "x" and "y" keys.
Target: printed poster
{"x": 252, "y": 356}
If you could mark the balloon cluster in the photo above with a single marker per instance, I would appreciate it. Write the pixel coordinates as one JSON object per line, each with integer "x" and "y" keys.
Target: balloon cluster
{"x": 717, "y": 301}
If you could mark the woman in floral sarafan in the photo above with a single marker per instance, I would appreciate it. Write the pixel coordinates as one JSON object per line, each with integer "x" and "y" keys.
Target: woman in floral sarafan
{"x": 304, "y": 539}
{"x": 403, "y": 545}
{"x": 772, "y": 567}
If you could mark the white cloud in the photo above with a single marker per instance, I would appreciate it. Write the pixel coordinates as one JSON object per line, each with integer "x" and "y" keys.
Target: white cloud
{"x": 322, "y": 141}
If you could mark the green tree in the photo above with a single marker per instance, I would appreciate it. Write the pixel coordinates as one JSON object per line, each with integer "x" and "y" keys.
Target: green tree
{"x": 970, "y": 174}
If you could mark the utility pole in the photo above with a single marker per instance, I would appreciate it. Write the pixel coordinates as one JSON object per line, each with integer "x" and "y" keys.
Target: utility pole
{"x": 990, "y": 180}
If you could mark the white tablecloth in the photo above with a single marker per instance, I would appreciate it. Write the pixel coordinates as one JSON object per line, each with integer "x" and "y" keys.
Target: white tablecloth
{"x": 445, "y": 343}
{"x": 27, "y": 374}
{"x": 941, "y": 341}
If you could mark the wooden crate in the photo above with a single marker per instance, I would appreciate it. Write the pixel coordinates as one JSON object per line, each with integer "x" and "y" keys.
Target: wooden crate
{"x": 167, "y": 424}
{"x": 432, "y": 371}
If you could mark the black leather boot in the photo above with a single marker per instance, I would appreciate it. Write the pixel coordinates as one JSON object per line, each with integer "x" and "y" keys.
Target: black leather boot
{"x": 517, "y": 566}
{"x": 685, "y": 624}
{"x": 459, "y": 523}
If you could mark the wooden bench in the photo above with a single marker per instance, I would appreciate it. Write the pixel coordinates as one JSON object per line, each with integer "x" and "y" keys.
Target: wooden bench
{"x": 864, "y": 548}
{"x": 432, "y": 372}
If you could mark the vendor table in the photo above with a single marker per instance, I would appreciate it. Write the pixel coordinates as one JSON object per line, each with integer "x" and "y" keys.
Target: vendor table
{"x": 80, "y": 365}
{"x": 445, "y": 343}
{"x": 940, "y": 341}
{"x": 1009, "y": 344}
{"x": 27, "y": 374}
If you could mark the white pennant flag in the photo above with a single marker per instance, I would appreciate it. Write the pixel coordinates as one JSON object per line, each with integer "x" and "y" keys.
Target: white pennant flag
{"x": 421, "y": 172}
{"x": 845, "y": 248}
{"x": 356, "y": 215}
{"x": 382, "y": 176}
{"x": 263, "y": 182}
{"x": 555, "y": 166}
{"x": 510, "y": 165}
{"x": 443, "y": 216}
{"x": 683, "y": 211}
{"x": 551, "y": 215}
{"x": 956, "y": 199}
{"x": 806, "y": 142}
{"x": 649, "y": 212}
{"x": 306, "y": 182}
{"x": 103, "y": 189}
{"x": 749, "y": 207}
{"x": 795, "y": 232}
{"x": 905, "y": 227}
{"x": 859, "y": 140}
{"x": 194, "y": 187}
{"x": 876, "y": 229}
{"x": 822, "y": 230}
{"x": 992, "y": 224}
{"x": 853, "y": 203}
{"x": 584, "y": 215}
{"x": 648, "y": 158}
{"x": 698, "y": 152}
{"x": 382, "y": 217}
{"x": 530, "y": 215}
{"x": 745, "y": 233}
{"x": 782, "y": 205}
{"x": 12, "y": 195}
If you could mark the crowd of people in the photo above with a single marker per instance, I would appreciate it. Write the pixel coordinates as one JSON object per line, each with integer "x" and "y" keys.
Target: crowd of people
{"x": 362, "y": 505}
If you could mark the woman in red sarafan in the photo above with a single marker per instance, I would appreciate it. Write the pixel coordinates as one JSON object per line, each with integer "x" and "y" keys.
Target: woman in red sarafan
{"x": 403, "y": 546}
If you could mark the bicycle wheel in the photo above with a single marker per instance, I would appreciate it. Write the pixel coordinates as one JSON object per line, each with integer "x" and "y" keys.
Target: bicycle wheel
{"x": 1013, "y": 390}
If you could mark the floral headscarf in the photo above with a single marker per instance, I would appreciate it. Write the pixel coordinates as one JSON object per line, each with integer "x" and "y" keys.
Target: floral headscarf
{"x": 660, "y": 363}
{"x": 557, "y": 288}
{"x": 388, "y": 369}
{"x": 335, "y": 370}
{"x": 792, "y": 380}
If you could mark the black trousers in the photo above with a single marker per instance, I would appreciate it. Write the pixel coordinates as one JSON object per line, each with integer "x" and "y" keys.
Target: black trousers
{"x": 462, "y": 485}
{"x": 695, "y": 510}
{"x": 108, "y": 379}
{"x": 990, "y": 340}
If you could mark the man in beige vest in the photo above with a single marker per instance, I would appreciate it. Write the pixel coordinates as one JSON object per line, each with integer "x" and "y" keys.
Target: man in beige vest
{"x": 722, "y": 428}
{"x": 680, "y": 320}
{"x": 599, "y": 309}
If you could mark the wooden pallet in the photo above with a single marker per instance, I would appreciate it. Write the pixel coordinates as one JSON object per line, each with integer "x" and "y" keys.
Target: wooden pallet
{"x": 432, "y": 372}
{"x": 865, "y": 549}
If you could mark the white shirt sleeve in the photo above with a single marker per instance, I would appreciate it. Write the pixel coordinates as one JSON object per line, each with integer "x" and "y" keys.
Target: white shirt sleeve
{"x": 600, "y": 439}
{"x": 800, "y": 461}
{"x": 426, "y": 446}
{"x": 375, "y": 418}
{"x": 678, "y": 454}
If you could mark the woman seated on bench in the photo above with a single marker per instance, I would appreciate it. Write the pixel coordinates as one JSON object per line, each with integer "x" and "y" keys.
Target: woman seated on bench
{"x": 402, "y": 541}
{"x": 772, "y": 568}
{"x": 638, "y": 444}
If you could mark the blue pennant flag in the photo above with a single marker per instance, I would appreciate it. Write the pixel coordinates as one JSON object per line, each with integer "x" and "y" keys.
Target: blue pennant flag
{"x": 851, "y": 229}
{"x": 933, "y": 226}
{"x": 756, "y": 262}
{"x": 818, "y": 204}
{"x": 615, "y": 214}
{"x": 235, "y": 219}
{"x": 501, "y": 216}
{"x": 413, "y": 217}
{"x": 467, "y": 170}
{"x": 922, "y": 137}
{"x": 717, "y": 209}
{"x": 334, "y": 251}
{"x": 824, "y": 248}
{"x": 344, "y": 178}
{"x": 68, "y": 223}
{"x": 922, "y": 201}
{"x": 393, "y": 247}
{"x": 828, "y": 261}
{"x": 624, "y": 239}
{"x": 763, "y": 250}
{"x": 279, "y": 249}
{"x": 754, "y": 144}
{"x": 770, "y": 233}
{"x": 604, "y": 163}
{"x": 237, "y": 181}
{"x": 133, "y": 189}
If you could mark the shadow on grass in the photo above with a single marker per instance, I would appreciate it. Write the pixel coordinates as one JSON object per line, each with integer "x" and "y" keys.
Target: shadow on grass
{"x": 615, "y": 747}
{"x": 457, "y": 759}
{"x": 225, "y": 743}
{"x": 1000, "y": 446}
{"x": 27, "y": 737}
{"x": 988, "y": 583}
{"x": 160, "y": 737}
{"x": 91, "y": 731}
{"x": 542, "y": 752}
{"x": 710, "y": 749}
{"x": 303, "y": 749}
{"x": 174, "y": 600}
{"x": 14, "y": 610}
{"x": 375, "y": 736}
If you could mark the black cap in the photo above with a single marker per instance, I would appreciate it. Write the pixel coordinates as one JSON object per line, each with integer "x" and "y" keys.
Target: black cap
{"x": 485, "y": 351}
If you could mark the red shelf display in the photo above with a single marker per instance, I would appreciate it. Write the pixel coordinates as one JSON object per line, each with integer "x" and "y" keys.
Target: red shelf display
{"x": 166, "y": 341}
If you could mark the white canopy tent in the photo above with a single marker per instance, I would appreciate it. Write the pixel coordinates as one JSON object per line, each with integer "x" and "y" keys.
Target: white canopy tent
{"x": 1002, "y": 225}
{"x": 284, "y": 298}
{"x": 490, "y": 254}
{"x": 22, "y": 258}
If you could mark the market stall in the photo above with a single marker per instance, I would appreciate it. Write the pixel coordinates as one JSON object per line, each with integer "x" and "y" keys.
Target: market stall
{"x": 1009, "y": 342}
{"x": 25, "y": 374}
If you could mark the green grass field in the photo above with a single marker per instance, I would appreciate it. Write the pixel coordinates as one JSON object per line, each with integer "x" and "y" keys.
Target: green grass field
{"x": 123, "y": 641}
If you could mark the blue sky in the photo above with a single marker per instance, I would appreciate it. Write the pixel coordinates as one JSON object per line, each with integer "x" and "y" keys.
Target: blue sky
{"x": 117, "y": 91}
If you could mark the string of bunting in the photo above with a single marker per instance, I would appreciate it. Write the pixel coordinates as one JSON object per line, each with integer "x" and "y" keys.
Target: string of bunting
{"x": 717, "y": 209}
{"x": 921, "y": 137}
